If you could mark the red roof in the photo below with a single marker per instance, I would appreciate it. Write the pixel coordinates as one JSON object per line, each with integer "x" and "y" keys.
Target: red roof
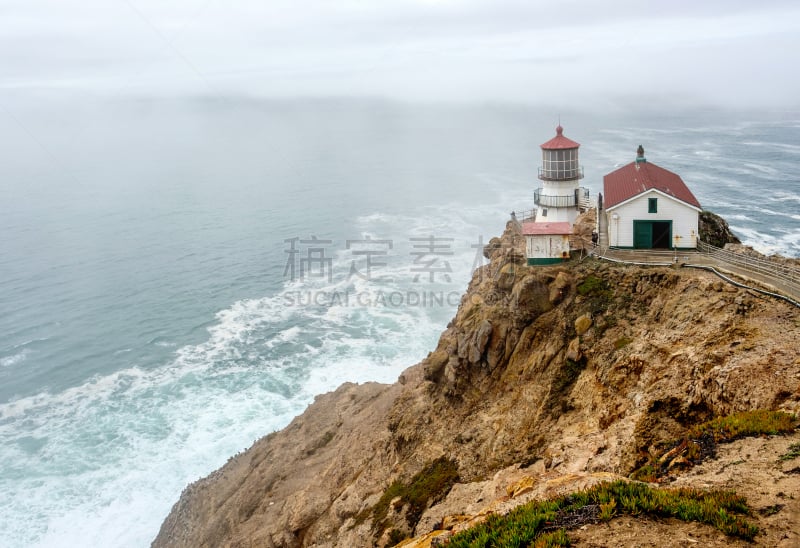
{"x": 629, "y": 181}
{"x": 559, "y": 141}
{"x": 546, "y": 229}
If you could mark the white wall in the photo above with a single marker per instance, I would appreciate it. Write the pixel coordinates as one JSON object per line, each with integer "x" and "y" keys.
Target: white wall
{"x": 547, "y": 246}
{"x": 558, "y": 214}
{"x": 684, "y": 220}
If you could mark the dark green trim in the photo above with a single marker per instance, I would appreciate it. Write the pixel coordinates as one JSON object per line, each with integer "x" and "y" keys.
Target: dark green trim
{"x": 544, "y": 261}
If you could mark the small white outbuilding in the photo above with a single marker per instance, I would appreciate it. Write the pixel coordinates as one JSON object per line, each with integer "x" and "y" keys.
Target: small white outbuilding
{"x": 546, "y": 243}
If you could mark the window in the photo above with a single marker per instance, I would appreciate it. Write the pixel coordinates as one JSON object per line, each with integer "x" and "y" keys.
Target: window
{"x": 652, "y": 205}
{"x": 544, "y": 212}
{"x": 560, "y": 164}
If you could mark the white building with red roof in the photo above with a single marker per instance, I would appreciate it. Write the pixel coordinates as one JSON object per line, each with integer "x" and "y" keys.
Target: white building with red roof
{"x": 649, "y": 207}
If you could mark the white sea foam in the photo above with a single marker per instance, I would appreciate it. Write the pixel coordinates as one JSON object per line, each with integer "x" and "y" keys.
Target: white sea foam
{"x": 738, "y": 217}
{"x": 781, "y": 196}
{"x": 101, "y": 463}
{"x": 14, "y": 359}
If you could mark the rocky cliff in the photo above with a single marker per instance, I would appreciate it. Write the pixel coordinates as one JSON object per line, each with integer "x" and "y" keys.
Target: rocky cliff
{"x": 714, "y": 230}
{"x": 546, "y": 379}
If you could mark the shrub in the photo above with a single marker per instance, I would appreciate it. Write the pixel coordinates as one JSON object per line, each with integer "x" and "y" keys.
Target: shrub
{"x": 701, "y": 440}
{"x": 429, "y": 485}
{"x": 748, "y": 423}
{"x": 792, "y": 453}
{"x": 542, "y": 523}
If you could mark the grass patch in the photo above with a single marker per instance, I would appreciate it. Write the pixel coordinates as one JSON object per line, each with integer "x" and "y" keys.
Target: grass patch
{"x": 597, "y": 293}
{"x": 429, "y": 485}
{"x": 746, "y": 424}
{"x": 591, "y": 284}
{"x": 793, "y": 453}
{"x": 701, "y": 441}
{"x": 543, "y": 523}
{"x": 648, "y": 473}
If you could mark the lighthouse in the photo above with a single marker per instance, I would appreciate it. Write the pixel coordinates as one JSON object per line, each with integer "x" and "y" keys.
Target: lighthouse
{"x": 560, "y": 198}
{"x": 558, "y": 202}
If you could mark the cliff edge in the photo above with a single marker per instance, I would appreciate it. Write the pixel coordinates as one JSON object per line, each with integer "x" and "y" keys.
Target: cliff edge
{"x": 547, "y": 379}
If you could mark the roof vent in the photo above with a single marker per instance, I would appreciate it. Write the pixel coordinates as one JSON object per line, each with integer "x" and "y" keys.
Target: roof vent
{"x": 640, "y": 155}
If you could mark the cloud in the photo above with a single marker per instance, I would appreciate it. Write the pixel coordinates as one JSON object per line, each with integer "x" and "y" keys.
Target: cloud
{"x": 730, "y": 52}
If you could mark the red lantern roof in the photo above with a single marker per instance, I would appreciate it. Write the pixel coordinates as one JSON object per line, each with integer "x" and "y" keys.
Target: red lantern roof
{"x": 559, "y": 141}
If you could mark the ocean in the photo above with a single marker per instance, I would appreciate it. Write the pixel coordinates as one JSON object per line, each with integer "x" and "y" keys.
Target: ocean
{"x": 181, "y": 276}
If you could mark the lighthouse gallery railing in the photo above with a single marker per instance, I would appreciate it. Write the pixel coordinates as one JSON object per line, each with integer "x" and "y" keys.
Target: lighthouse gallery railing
{"x": 580, "y": 196}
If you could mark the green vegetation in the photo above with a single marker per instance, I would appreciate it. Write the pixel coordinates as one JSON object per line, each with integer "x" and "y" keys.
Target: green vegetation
{"x": 430, "y": 485}
{"x": 592, "y": 284}
{"x": 648, "y": 473}
{"x": 597, "y": 292}
{"x": 543, "y": 523}
{"x": 701, "y": 440}
{"x": 793, "y": 453}
{"x": 395, "y": 537}
{"x": 748, "y": 423}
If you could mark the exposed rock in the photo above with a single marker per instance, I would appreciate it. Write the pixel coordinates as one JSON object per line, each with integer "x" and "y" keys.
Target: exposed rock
{"x": 574, "y": 350}
{"x": 585, "y": 224}
{"x": 714, "y": 230}
{"x": 583, "y": 323}
{"x": 520, "y": 385}
{"x": 559, "y": 287}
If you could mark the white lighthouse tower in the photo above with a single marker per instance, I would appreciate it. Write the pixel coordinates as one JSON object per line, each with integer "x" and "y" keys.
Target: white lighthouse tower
{"x": 558, "y": 202}
{"x": 560, "y": 199}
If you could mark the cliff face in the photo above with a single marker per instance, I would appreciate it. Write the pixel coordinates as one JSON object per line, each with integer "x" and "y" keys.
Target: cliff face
{"x": 579, "y": 369}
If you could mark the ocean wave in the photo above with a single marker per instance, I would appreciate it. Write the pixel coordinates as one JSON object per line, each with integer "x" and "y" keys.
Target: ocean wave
{"x": 89, "y": 461}
{"x": 738, "y": 217}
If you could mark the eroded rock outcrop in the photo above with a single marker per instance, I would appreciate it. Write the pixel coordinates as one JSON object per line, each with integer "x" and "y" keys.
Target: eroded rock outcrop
{"x": 714, "y": 230}
{"x": 559, "y": 374}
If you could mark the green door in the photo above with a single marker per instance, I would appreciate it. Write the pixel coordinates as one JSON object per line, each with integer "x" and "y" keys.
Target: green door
{"x": 642, "y": 234}
{"x": 652, "y": 234}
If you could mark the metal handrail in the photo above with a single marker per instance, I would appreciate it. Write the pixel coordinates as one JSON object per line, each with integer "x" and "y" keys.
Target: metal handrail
{"x": 785, "y": 272}
{"x": 524, "y": 214}
{"x": 546, "y": 200}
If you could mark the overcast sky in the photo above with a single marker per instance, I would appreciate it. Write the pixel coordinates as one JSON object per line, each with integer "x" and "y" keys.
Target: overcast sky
{"x": 730, "y": 53}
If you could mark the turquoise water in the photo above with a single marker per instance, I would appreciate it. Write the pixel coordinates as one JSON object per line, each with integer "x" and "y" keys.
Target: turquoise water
{"x": 150, "y": 327}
